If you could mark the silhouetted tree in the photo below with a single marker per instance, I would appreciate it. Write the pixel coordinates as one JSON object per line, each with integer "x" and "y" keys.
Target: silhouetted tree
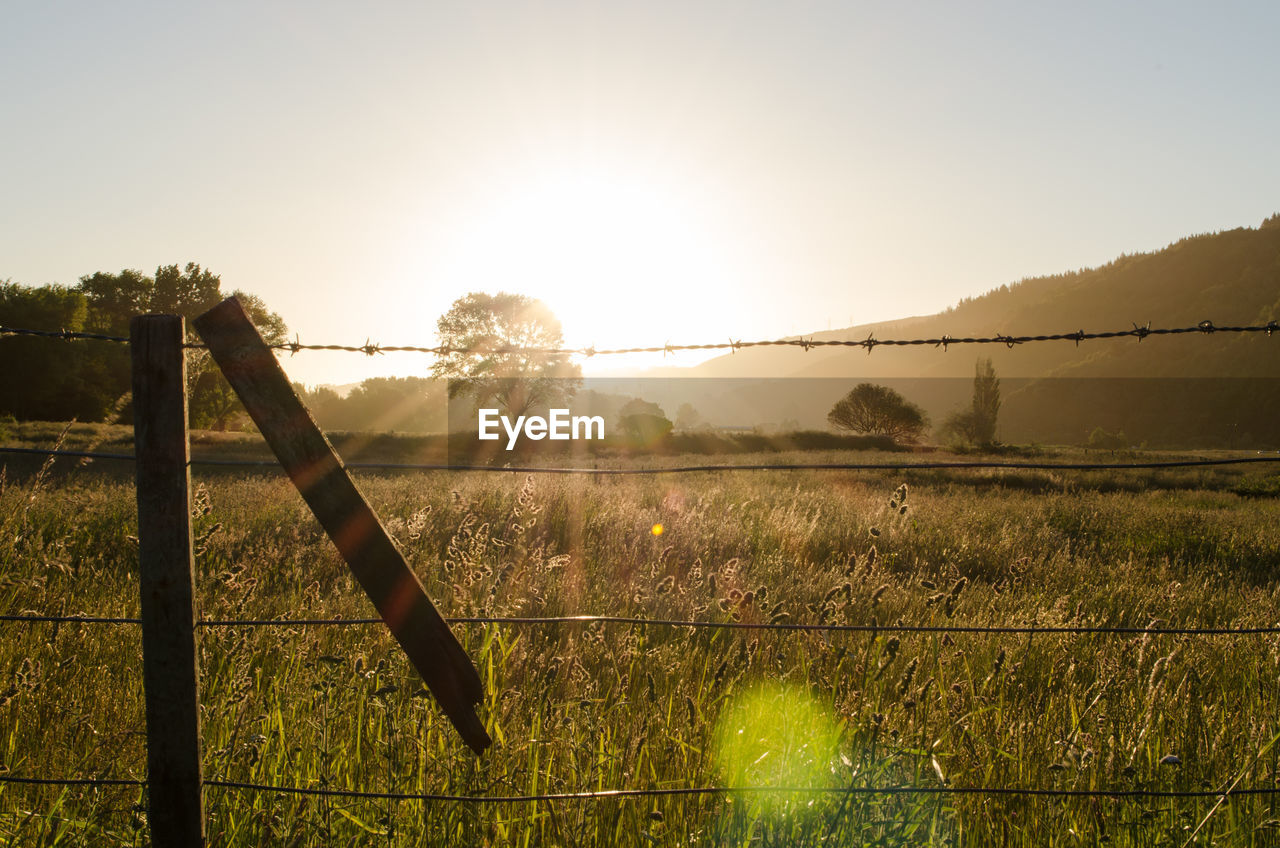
{"x": 47, "y": 379}
{"x": 1104, "y": 440}
{"x": 977, "y": 424}
{"x": 986, "y": 401}
{"x": 487, "y": 337}
{"x": 688, "y": 418}
{"x": 879, "y": 411}
{"x": 643, "y": 423}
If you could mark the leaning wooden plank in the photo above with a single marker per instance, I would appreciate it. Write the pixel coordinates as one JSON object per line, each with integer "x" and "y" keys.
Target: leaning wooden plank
{"x": 316, "y": 469}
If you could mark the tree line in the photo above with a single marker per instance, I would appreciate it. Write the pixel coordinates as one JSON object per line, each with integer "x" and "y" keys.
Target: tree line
{"x": 488, "y": 362}
{"x": 48, "y": 379}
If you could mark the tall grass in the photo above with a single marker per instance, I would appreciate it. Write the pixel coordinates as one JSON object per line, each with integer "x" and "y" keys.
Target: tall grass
{"x": 577, "y": 707}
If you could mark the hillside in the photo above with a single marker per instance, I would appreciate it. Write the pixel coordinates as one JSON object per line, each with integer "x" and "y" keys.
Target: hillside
{"x": 1229, "y": 277}
{"x": 1187, "y": 390}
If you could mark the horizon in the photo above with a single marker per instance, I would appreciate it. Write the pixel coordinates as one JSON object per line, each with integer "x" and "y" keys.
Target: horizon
{"x": 724, "y": 171}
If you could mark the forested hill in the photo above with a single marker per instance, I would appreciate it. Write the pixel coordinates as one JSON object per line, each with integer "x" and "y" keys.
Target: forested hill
{"x": 1231, "y": 277}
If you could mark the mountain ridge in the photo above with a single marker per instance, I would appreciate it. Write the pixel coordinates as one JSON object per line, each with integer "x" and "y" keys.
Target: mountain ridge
{"x": 1228, "y": 277}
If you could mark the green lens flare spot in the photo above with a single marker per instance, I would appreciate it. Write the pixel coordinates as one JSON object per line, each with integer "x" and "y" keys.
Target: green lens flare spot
{"x": 777, "y": 737}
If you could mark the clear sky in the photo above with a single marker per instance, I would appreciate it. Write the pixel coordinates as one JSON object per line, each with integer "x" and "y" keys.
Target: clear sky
{"x": 655, "y": 171}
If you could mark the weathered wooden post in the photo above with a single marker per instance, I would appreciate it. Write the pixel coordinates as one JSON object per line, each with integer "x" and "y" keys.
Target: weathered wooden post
{"x": 317, "y": 471}
{"x": 166, "y": 567}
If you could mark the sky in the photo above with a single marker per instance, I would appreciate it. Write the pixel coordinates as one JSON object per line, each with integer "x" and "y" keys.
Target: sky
{"x": 656, "y": 172}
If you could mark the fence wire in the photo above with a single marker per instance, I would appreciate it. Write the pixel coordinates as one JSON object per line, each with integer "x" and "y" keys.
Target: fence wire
{"x": 696, "y": 469}
{"x": 696, "y": 624}
{"x": 64, "y": 335}
{"x": 35, "y": 618}
{"x": 805, "y": 343}
{"x": 659, "y": 792}
{"x": 782, "y": 626}
{"x": 72, "y": 781}
{"x": 621, "y": 794}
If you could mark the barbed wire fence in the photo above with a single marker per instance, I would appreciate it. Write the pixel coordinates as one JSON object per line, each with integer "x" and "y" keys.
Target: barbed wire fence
{"x": 1138, "y": 332}
{"x": 806, "y": 343}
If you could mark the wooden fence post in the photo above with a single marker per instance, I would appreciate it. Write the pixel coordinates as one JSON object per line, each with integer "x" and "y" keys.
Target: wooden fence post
{"x": 174, "y": 782}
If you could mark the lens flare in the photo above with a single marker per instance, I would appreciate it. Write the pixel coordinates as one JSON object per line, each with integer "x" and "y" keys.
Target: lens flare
{"x": 776, "y": 736}
{"x": 657, "y": 529}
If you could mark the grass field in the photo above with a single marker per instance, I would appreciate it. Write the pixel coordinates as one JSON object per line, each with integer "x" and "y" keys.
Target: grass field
{"x": 577, "y": 707}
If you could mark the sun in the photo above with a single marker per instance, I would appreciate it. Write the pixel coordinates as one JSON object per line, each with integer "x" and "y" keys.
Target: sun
{"x": 622, "y": 256}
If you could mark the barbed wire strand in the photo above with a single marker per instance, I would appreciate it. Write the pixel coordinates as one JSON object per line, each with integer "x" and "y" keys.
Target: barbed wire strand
{"x": 64, "y": 335}
{"x": 689, "y": 469}
{"x": 369, "y": 348}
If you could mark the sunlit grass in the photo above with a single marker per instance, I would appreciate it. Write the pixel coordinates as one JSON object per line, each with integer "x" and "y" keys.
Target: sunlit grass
{"x": 584, "y": 707}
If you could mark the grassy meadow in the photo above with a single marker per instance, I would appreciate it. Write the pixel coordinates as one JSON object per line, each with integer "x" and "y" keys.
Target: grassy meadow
{"x": 578, "y": 707}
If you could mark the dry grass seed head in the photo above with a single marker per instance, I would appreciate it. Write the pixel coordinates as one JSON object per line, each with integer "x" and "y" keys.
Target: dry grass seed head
{"x": 908, "y": 675}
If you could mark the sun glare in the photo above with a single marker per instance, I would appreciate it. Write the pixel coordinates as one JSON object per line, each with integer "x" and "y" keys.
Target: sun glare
{"x": 623, "y": 259}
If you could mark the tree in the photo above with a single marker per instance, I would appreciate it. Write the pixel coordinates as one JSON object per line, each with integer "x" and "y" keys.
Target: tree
{"x": 880, "y": 411}
{"x": 959, "y": 427}
{"x": 487, "y": 340}
{"x": 977, "y": 424}
{"x": 688, "y": 418}
{"x": 45, "y": 378}
{"x": 407, "y": 404}
{"x": 986, "y": 402}
{"x": 1105, "y": 440}
{"x": 188, "y": 292}
{"x": 213, "y": 403}
{"x": 115, "y": 298}
{"x": 643, "y": 423}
